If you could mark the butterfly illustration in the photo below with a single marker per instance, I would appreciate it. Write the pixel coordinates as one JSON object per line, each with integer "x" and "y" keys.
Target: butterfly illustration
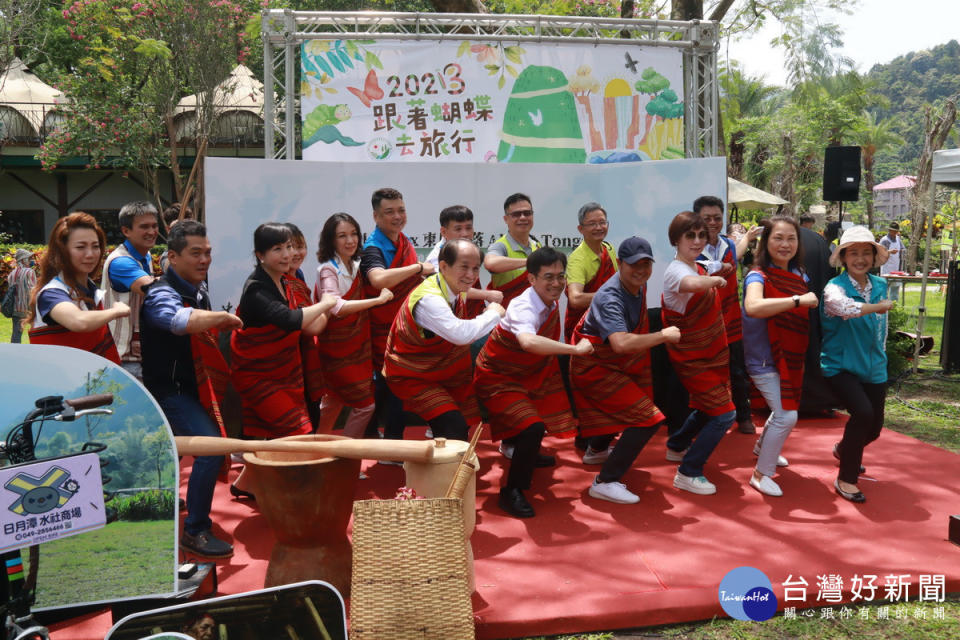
{"x": 371, "y": 89}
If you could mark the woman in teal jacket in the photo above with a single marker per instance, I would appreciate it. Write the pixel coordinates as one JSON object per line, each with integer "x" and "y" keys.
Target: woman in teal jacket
{"x": 853, "y": 354}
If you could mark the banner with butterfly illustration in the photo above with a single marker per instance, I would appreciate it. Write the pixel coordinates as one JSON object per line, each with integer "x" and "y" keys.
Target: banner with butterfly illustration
{"x": 364, "y": 100}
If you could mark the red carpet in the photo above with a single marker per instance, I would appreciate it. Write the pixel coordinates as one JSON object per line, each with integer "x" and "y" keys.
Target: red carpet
{"x": 586, "y": 565}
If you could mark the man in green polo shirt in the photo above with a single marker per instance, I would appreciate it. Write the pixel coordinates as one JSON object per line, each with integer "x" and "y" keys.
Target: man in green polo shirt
{"x": 506, "y": 259}
{"x": 591, "y": 264}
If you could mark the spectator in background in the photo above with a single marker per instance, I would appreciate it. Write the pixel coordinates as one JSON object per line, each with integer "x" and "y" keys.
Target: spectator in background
{"x": 171, "y": 216}
{"x": 830, "y": 233}
{"x": 23, "y": 279}
{"x": 894, "y": 246}
{"x": 807, "y": 221}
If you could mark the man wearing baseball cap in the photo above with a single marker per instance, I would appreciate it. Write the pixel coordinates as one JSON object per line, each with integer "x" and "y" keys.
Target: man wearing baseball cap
{"x": 894, "y": 247}
{"x": 613, "y": 386}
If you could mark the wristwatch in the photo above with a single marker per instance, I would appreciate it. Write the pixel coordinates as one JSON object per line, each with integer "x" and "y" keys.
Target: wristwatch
{"x": 796, "y": 301}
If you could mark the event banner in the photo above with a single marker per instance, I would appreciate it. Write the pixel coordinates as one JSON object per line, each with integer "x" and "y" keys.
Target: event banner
{"x": 463, "y": 101}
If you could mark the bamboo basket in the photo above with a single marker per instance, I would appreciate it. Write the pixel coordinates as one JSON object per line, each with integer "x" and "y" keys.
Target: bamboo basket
{"x": 410, "y": 575}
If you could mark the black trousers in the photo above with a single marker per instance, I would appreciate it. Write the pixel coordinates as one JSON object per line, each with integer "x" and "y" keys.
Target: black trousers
{"x": 450, "y": 425}
{"x": 526, "y": 449}
{"x": 864, "y": 402}
{"x": 389, "y": 411}
{"x": 739, "y": 381}
{"x": 628, "y": 447}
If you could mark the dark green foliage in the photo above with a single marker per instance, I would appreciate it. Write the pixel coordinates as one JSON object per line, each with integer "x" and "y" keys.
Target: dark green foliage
{"x": 910, "y": 82}
{"x": 899, "y": 348}
{"x": 146, "y": 505}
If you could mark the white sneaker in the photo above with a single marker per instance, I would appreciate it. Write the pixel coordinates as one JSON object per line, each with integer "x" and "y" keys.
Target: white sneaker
{"x": 613, "y": 492}
{"x": 699, "y": 485}
{"x": 781, "y": 461}
{"x": 428, "y": 433}
{"x": 676, "y": 456}
{"x": 766, "y": 485}
{"x": 506, "y": 450}
{"x": 596, "y": 457}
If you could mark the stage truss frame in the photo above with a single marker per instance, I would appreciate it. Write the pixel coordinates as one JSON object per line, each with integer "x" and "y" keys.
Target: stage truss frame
{"x": 284, "y": 31}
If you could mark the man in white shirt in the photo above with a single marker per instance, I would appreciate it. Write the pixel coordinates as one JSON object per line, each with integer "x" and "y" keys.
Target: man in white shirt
{"x": 894, "y": 246}
{"x": 456, "y": 223}
{"x": 427, "y": 362}
{"x": 518, "y": 378}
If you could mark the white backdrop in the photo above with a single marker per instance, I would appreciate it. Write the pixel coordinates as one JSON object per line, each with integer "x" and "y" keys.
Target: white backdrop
{"x": 640, "y": 198}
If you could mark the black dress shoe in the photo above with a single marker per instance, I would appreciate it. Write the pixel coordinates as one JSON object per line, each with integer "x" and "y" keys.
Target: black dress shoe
{"x": 513, "y": 502}
{"x": 240, "y": 494}
{"x": 746, "y": 426}
{"x": 836, "y": 454}
{"x": 545, "y": 461}
{"x": 857, "y": 497}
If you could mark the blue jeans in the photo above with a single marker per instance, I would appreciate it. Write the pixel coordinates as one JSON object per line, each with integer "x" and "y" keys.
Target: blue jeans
{"x": 17, "y": 329}
{"x": 187, "y": 417}
{"x": 701, "y": 433}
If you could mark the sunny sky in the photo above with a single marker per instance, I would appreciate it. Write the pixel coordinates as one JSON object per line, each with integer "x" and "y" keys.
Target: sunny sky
{"x": 877, "y": 32}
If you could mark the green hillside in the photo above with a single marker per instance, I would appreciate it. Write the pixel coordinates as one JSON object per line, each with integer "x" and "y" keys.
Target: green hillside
{"x": 909, "y": 82}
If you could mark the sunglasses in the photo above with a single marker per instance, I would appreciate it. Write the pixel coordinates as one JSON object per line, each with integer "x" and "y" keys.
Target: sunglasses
{"x": 695, "y": 235}
{"x": 523, "y": 213}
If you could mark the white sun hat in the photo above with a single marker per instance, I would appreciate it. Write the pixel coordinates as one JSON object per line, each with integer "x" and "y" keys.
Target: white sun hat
{"x": 859, "y": 235}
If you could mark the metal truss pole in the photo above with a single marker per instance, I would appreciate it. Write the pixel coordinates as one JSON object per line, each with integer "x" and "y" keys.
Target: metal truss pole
{"x": 269, "y": 102}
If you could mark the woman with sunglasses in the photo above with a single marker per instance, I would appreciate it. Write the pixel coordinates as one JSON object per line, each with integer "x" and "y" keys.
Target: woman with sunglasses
{"x": 701, "y": 358}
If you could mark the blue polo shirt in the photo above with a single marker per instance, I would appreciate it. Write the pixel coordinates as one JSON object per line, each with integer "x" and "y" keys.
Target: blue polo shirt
{"x": 125, "y": 271}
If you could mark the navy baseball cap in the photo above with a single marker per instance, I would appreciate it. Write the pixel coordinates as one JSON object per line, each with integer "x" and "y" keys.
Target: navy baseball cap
{"x": 634, "y": 248}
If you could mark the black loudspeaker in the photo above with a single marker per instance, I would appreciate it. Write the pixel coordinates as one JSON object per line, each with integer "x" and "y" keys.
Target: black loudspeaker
{"x": 841, "y": 174}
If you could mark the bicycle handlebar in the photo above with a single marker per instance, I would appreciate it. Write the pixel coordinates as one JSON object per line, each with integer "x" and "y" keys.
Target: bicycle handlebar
{"x": 89, "y": 402}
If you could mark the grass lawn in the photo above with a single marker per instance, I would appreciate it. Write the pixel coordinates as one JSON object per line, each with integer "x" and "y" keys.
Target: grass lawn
{"x": 932, "y": 321}
{"x": 6, "y": 329}
{"x": 123, "y": 559}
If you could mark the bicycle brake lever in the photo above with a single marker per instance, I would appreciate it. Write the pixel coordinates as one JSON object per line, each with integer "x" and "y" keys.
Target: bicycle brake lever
{"x": 70, "y": 415}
